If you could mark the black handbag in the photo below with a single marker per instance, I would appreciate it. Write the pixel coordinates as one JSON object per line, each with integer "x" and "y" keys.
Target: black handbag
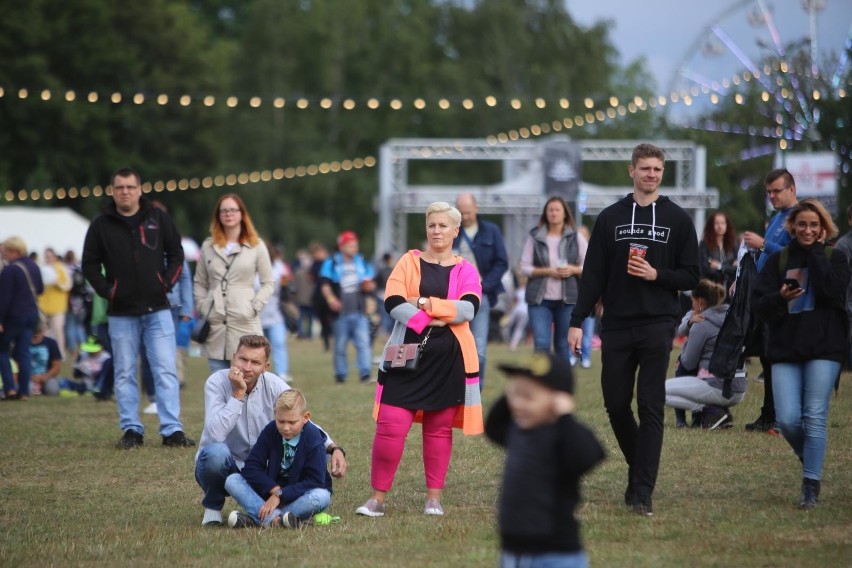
{"x": 404, "y": 357}
{"x": 201, "y": 330}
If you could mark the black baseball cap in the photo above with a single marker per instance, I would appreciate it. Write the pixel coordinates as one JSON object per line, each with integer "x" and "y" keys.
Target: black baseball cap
{"x": 546, "y": 368}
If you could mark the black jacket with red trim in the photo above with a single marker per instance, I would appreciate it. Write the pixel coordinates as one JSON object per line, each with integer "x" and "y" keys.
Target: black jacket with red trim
{"x": 133, "y": 265}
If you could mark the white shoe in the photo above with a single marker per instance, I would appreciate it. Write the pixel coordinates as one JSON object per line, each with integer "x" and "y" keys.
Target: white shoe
{"x": 433, "y": 507}
{"x": 150, "y": 409}
{"x": 586, "y": 364}
{"x": 212, "y": 517}
{"x": 372, "y": 508}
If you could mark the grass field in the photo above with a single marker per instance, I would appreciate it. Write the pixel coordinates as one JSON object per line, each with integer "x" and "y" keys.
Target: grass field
{"x": 726, "y": 498}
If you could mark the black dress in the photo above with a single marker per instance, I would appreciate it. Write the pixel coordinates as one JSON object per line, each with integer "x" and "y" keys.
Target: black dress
{"x": 439, "y": 381}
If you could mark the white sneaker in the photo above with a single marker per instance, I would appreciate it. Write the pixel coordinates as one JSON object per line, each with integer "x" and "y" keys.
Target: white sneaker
{"x": 150, "y": 409}
{"x": 212, "y": 517}
{"x": 372, "y": 508}
{"x": 433, "y": 507}
{"x": 586, "y": 364}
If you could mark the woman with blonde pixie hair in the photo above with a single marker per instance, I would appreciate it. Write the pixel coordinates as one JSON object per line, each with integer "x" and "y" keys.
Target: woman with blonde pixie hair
{"x": 802, "y": 296}
{"x": 432, "y": 295}
{"x": 224, "y": 281}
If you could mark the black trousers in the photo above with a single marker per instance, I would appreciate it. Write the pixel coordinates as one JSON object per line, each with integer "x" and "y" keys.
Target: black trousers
{"x": 646, "y": 349}
{"x": 767, "y": 411}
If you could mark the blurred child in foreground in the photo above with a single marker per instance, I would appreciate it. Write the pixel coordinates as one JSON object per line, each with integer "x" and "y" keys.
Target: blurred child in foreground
{"x": 547, "y": 451}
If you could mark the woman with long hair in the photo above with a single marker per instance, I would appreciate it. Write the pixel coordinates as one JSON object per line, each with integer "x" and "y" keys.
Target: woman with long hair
{"x": 552, "y": 259}
{"x": 432, "y": 295}
{"x": 718, "y": 250}
{"x": 801, "y": 294}
{"x": 224, "y": 281}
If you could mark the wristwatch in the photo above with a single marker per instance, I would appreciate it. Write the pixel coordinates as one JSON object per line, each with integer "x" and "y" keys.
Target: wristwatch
{"x": 332, "y": 449}
{"x": 421, "y": 302}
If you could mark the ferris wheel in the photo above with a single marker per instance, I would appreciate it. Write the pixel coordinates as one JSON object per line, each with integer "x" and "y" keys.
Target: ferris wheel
{"x": 797, "y": 51}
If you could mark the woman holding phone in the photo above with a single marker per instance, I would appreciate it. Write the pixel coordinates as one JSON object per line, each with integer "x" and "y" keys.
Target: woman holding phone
{"x": 802, "y": 295}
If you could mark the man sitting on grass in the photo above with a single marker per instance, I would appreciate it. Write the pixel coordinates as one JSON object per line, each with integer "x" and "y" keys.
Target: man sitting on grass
{"x": 284, "y": 481}
{"x": 238, "y": 404}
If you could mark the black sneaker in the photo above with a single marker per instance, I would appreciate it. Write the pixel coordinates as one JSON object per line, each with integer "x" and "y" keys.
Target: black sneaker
{"x": 643, "y": 508}
{"x": 131, "y": 439}
{"x": 238, "y": 520}
{"x": 178, "y": 440}
{"x": 290, "y": 521}
{"x": 810, "y": 494}
{"x": 759, "y": 425}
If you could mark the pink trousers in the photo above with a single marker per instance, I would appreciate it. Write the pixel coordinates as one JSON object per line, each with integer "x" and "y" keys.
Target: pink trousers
{"x": 392, "y": 428}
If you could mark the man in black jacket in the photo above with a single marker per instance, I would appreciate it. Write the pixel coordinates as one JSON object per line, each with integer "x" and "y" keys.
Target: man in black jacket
{"x": 643, "y": 250}
{"x": 132, "y": 257}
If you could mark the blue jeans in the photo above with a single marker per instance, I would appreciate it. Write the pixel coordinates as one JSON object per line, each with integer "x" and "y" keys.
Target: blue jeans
{"x": 356, "y": 327}
{"x": 75, "y": 331}
{"x": 313, "y": 501}
{"x": 212, "y": 467}
{"x": 277, "y": 336}
{"x": 544, "y": 560}
{"x": 306, "y": 322}
{"x": 145, "y": 367}
{"x": 17, "y": 332}
{"x": 588, "y": 334}
{"x": 479, "y": 328}
{"x": 551, "y": 315}
{"x": 156, "y": 332}
{"x": 802, "y": 392}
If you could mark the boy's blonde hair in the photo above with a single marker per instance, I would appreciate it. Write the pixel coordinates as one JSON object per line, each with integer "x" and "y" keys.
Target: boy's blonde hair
{"x": 291, "y": 399}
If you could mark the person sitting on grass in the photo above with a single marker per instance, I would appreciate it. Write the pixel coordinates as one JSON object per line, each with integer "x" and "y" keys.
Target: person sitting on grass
{"x": 285, "y": 480}
{"x": 547, "y": 451}
{"x": 700, "y": 391}
{"x": 238, "y": 403}
{"x": 46, "y": 363}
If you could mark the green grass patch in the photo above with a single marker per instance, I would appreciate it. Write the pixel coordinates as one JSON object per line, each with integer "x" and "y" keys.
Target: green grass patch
{"x": 68, "y": 497}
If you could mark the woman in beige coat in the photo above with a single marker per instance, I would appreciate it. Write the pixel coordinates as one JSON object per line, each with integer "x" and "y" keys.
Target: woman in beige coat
{"x": 224, "y": 281}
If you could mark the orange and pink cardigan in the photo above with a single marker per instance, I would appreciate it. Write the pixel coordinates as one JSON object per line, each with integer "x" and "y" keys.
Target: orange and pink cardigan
{"x": 404, "y": 281}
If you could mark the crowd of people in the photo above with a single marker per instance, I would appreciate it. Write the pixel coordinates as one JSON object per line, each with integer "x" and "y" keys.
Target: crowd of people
{"x": 132, "y": 299}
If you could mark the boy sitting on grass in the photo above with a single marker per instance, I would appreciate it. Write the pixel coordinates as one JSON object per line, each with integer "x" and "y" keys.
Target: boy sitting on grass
{"x": 547, "y": 451}
{"x": 285, "y": 480}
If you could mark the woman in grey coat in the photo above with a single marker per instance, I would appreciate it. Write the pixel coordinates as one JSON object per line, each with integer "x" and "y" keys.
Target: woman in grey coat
{"x": 223, "y": 286}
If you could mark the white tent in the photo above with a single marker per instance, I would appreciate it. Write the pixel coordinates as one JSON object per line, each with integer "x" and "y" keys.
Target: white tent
{"x": 60, "y": 229}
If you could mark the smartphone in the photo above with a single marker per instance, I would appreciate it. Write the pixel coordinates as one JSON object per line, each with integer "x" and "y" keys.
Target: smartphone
{"x": 791, "y": 283}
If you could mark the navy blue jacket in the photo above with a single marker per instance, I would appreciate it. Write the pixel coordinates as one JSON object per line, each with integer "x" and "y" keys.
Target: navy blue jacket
{"x": 16, "y": 298}
{"x": 308, "y": 471}
{"x": 491, "y": 259}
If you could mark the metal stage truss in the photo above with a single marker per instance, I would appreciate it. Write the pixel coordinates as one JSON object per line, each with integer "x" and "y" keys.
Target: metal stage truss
{"x": 520, "y": 197}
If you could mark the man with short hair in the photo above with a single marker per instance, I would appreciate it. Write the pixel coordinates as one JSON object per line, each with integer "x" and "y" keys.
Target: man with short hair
{"x": 238, "y": 404}
{"x": 781, "y": 192}
{"x": 133, "y": 257}
{"x": 344, "y": 279}
{"x": 480, "y": 242}
{"x": 643, "y": 251}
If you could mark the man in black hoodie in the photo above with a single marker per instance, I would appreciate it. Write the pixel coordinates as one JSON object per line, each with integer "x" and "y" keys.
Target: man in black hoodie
{"x": 643, "y": 250}
{"x": 133, "y": 256}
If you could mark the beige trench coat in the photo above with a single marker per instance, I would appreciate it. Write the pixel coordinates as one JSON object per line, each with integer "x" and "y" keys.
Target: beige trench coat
{"x": 236, "y": 306}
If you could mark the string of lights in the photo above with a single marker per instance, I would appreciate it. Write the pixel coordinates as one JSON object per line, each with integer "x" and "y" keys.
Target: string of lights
{"x": 591, "y": 112}
{"x": 207, "y": 182}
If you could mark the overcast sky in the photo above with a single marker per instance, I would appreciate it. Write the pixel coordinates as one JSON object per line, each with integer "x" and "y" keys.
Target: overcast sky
{"x": 665, "y": 31}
